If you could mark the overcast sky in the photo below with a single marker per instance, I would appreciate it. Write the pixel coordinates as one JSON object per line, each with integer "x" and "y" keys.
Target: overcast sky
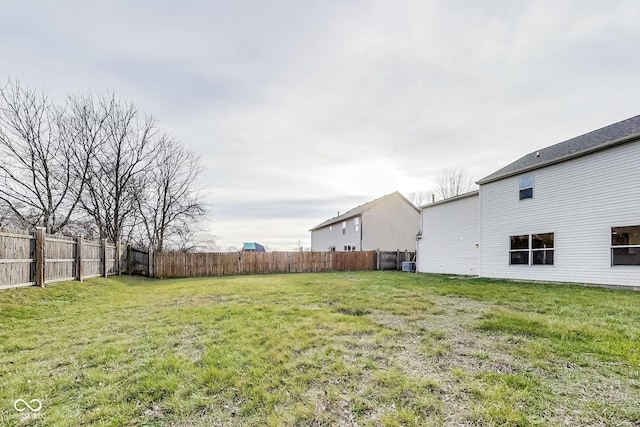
{"x": 299, "y": 109}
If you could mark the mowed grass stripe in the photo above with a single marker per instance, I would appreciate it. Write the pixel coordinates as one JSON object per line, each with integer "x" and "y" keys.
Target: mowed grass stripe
{"x": 366, "y": 348}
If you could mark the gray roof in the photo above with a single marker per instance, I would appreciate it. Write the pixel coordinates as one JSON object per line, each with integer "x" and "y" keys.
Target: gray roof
{"x": 606, "y": 137}
{"x": 359, "y": 209}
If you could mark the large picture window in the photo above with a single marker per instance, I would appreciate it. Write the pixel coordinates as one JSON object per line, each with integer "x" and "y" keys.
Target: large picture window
{"x": 531, "y": 249}
{"x": 625, "y": 245}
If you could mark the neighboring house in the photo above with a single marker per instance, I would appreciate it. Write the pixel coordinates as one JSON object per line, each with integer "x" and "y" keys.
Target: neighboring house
{"x": 253, "y": 247}
{"x": 389, "y": 223}
{"x": 450, "y": 238}
{"x": 567, "y": 213}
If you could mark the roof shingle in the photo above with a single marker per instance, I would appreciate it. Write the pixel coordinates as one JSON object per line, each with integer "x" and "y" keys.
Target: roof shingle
{"x": 608, "y": 136}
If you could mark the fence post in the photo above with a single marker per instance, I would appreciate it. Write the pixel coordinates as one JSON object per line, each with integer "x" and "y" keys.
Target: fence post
{"x": 151, "y": 270}
{"x": 79, "y": 250}
{"x": 118, "y": 256}
{"x": 377, "y": 259}
{"x": 398, "y": 266}
{"x": 103, "y": 254}
{"x": 40, "y": 257}
{"x": 129, "y": 260}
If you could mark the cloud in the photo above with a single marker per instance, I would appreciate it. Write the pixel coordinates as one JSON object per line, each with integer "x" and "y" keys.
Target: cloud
{"x": 311, "y": 107}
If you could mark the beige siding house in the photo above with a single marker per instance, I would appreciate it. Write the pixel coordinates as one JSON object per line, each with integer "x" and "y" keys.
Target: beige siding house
{"x": 389, "y": 223}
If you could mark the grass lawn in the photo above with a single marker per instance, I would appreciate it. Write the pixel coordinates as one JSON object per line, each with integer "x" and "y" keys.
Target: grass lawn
{"x": 366, "y": 348}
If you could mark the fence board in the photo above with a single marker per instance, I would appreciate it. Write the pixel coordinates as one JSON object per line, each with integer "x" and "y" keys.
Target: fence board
{"x": 174, "y": 264}
{"x": 392, "y": 260}
{"x": 92, "y": 259}
{"x": 25, "y": 262}
{"x": 63, "y": 258}
{"x": 60, "y": 258}
{"x": 111, "y": 259}
{"x": 137, "y": 261}
{"x": 18, "y": 253}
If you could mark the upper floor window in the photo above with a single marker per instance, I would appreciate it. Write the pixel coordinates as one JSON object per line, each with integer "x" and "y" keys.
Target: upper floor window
{"x": 344, "y": 227}
{"x": 357, "y": 224}
{"x": 526, "y": 187}
{"x": 625, "y": 245}
{"x": 531, "y": 249}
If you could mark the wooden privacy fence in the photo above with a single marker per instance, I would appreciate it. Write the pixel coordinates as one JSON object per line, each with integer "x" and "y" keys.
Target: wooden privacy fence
{"x": 37, "y": 258}
{"x": 174, "y": 264}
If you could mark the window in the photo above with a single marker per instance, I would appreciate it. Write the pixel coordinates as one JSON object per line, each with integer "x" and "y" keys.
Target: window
{"x": 531, "y": 249}
{"x": 526, "y": 187}
{"x": 357, "y": 224}
{"x": 542, "y": 249}
{"x": 625, "y": 245}
{"x": 519, "y": 252}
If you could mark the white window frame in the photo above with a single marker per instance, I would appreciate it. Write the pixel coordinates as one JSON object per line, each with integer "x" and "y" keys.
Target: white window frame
{"x": 525, "y": 187}
{"x": 630, "y": 246}
{"x": 530, "y": 250}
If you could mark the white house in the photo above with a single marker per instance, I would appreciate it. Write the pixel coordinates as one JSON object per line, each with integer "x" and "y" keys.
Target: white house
{"x": 567, "y": 213}
{"x": 389, "y": 223}
{"x": 450, "y": 238}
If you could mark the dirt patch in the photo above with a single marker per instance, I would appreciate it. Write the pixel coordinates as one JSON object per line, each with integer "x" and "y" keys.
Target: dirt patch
{"x": 434, "y": 346}
{"x": 445, "y": 345}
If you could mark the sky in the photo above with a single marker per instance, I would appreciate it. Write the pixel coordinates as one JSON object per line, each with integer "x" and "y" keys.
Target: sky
{"x": 300, "y": 109}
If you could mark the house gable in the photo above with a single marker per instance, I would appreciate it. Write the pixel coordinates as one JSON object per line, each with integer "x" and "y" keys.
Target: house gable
{"x": 378, "y": 224}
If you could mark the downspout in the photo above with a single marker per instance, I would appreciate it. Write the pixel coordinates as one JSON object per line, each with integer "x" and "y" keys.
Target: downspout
{"x": 418, "y": 242}
{"x": 480, "y": 230}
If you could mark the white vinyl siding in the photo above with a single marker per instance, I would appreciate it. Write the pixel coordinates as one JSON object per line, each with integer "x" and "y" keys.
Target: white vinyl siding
{"x": 579, "y": 200}
{"x": 450, "y": 237}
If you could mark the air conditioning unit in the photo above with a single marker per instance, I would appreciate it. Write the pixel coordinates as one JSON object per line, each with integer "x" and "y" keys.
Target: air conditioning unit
{"x": 409, "y": 266}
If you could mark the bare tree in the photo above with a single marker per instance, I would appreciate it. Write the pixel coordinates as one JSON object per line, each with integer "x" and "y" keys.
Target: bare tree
{"x": 118, "y": 169}
{"x": 169, "y": 206}
{"x": 38, "y": 182}
{"x": 453, "y": 182}
{"x": 193, "y": 238}
{"x": 98, "y": 153}
{"x": 420, "y": 198}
